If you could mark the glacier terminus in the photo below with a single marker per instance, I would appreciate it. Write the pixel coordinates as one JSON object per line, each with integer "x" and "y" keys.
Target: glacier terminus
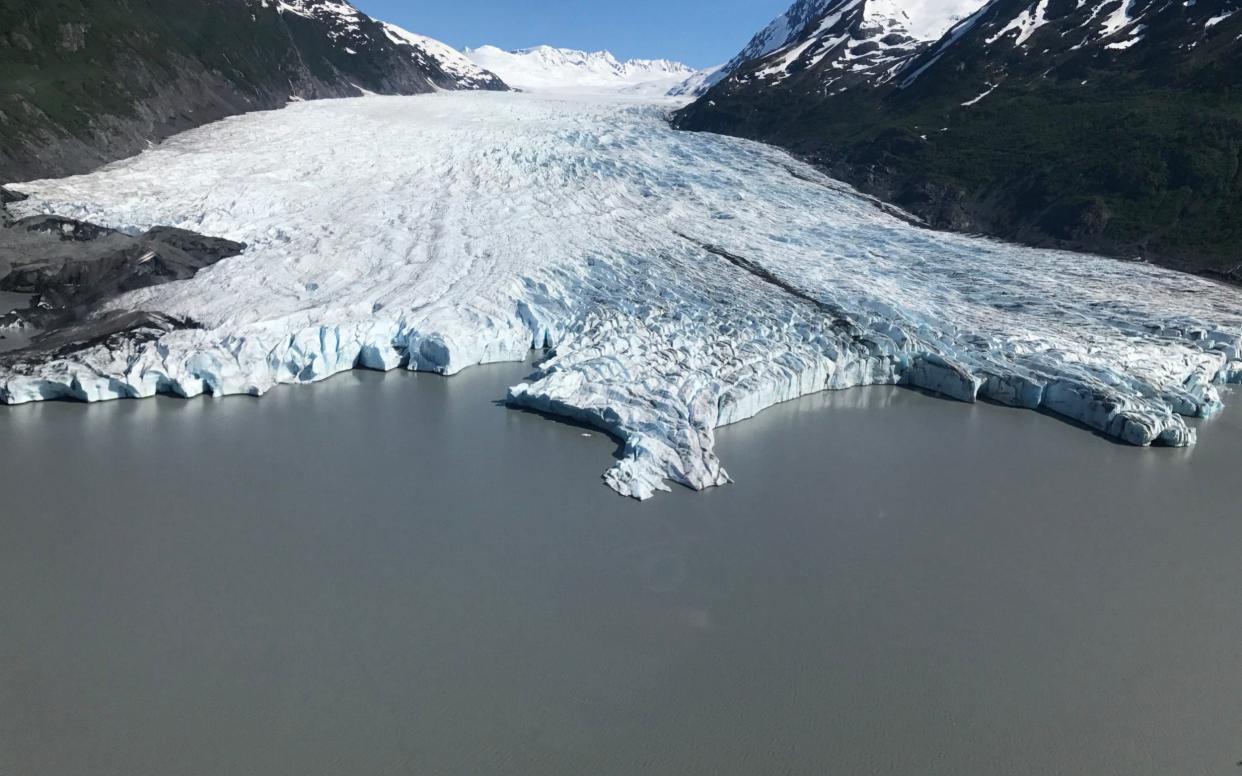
{"x": 677, "y": 281}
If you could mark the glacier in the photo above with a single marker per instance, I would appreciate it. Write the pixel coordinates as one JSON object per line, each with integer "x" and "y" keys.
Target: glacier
{"x": 678, "y": 282}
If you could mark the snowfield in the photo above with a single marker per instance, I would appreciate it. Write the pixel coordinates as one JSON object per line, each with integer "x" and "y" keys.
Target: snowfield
{"x": 683, "y": 281}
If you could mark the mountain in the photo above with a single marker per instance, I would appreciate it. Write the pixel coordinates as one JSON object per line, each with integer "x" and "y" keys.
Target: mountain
{"x": 844, "y": 41}
{"x": 544, "y": 68}
{"x": 91, "y": 81}
{"x": 782, "y": 32}
{"x": 809, "y": 25}
{"x": 1104, "y": 125}
{"x": 450, "y": 69}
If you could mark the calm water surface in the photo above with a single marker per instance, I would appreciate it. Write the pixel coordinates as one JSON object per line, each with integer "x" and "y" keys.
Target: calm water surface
{"x": 393, "y": 575}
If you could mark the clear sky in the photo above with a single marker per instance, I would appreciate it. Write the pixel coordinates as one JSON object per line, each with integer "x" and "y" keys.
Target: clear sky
{"x": 698, "y": 32}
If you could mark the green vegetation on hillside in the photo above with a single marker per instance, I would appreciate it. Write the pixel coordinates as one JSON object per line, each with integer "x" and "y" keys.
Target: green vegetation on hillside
{"x": 89, "y": 81}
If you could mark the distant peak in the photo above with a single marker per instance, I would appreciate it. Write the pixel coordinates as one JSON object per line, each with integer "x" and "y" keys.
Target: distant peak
{"x": 549, "y": 68}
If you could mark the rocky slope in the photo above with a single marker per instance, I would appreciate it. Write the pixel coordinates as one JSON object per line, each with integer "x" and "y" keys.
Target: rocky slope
{"x": 90, "y": 81}
{"x": 57, "y": 273}
{"x": 1102, "y": 125}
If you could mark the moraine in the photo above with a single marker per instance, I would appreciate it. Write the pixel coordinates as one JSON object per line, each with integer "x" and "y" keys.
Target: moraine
{"x": 683, "y": 281}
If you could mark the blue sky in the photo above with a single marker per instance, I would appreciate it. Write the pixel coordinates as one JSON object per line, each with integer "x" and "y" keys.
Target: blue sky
{"x": 697, "y": 32}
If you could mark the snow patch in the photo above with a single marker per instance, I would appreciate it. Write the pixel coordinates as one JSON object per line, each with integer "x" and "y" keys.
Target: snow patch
{"x": 1026, "y": 24}
{"x": 1215, "y": 20}
{"x": 923, "y": 19}
{"x": 976, "y": 100}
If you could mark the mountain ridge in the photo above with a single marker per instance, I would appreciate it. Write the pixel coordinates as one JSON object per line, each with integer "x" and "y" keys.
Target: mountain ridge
{"x": 795, "y": 25}
{"x": 92, "y": 82}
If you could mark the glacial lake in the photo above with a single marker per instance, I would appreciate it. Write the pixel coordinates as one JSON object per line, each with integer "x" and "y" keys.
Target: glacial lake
{"x": 393, "y": 574}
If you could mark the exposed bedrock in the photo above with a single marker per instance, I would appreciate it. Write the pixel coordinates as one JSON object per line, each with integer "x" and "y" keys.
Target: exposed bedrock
{"x": 70, "y": 269}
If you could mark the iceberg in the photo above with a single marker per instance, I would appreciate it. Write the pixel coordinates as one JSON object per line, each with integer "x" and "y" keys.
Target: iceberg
{"x": 678, "y": 282}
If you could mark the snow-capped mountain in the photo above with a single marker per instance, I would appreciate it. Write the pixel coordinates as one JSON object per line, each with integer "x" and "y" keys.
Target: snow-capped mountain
{"x": 1104, "y": 125}
{"x": 459, "y": 70}
{"x": 877, "y": 40}
{"x": 88, "y": 83}
{"x": 354, "y": 34}
{"x": 1019, "y": 38}
{"x": 782, "y": 31}
{"x": 545, "y": 68}
{"x": 852, "y": 39}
